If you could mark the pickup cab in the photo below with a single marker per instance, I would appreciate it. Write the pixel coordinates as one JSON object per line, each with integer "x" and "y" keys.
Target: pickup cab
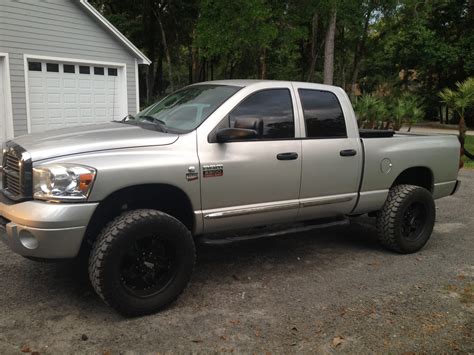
{"x": 132, "y": 196}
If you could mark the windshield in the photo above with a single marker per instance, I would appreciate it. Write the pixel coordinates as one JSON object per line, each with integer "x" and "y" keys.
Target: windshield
{"x": 186, "y": 109}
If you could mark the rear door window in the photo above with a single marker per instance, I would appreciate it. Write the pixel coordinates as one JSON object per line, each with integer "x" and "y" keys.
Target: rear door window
{"x": 323, "y": 114}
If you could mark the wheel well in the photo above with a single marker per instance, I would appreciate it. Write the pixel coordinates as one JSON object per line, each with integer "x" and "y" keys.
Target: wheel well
{"x": 418, "y": 176}
{"x": 165, "y": 198}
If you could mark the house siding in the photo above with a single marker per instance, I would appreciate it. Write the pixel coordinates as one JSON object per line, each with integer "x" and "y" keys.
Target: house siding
{"x": 56, "y": 28}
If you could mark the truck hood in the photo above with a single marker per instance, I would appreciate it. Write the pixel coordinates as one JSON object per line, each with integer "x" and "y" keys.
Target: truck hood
{"x": 91, "y": 138}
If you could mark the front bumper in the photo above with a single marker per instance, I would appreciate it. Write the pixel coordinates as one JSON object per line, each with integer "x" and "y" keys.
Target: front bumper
{"x": 44, "y": 230}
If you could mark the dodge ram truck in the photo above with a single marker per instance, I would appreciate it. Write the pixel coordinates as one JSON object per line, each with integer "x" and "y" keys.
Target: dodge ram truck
{"x": 133, "y": 196}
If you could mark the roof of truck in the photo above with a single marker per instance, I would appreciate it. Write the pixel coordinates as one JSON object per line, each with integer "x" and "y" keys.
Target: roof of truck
{"x": 249, "y": 82}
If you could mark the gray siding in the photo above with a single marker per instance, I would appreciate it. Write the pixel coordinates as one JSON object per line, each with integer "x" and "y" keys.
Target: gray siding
{"x": 57, "y": 28}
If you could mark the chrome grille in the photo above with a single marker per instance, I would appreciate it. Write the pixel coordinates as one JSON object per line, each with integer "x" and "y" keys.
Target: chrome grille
{"x": 16, "y": 174}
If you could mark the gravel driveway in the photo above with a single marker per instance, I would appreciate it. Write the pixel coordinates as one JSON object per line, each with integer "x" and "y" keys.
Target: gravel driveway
{"x": 334, "y": 290}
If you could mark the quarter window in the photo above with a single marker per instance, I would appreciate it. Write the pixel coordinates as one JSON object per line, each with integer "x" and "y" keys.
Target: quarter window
{"x": 273, "y": 107}
{"x": 34, "y": 66}
{"x": 68, "y": 68}
{"x": 84, "y": 70}
{"x": 112, "y": 71}
{"x": 52, "y": 67}
{"x": 323, "y": 115}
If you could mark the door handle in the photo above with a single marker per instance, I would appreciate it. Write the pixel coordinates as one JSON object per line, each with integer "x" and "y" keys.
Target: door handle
{"x": 287, "y": 156}
{"x": 347, "y": 153}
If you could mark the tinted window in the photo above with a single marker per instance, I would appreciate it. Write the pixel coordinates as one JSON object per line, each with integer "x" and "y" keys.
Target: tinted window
{"x": 322, "y": 114}
{"x": 34, "y": 66}
{"x": 84, "y": 70}
{"x": 98, "y": 71}
{"x": 112, "y": 71}
{"x": 273, "y": 107}
{"x": 68, "y": 68}
{"x": 52, "y": 67}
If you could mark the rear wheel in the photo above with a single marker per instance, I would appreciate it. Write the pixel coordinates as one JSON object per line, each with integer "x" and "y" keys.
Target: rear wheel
{"x": 407, "y": 218}
{"x": 142, "y": 262}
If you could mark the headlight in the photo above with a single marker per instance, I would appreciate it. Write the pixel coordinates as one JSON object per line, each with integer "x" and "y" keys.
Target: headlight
{"x": 62, "y": 182}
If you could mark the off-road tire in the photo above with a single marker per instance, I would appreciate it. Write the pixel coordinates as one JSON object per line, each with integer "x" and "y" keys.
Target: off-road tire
{"x": 390, "y": 218}
{"x": 109, "y": 250}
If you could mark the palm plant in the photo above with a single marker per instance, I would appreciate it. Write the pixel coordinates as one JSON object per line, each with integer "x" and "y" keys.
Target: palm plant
{"x": 406, "y": 109}
{"x": 399, "y": 111}
{"x": 459, "y": 100}
{"x": 414, "y": 111}
{"x": 368, "y": 109}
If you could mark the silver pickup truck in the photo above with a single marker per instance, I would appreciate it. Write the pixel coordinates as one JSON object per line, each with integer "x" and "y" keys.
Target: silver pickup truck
{"x": 132, "y": 196}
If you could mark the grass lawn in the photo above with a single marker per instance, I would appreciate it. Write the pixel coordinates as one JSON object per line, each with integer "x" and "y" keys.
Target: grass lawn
{"x": 469, "y": 145}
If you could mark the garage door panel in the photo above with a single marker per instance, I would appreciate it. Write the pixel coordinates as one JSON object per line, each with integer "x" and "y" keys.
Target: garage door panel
{"x": 100, "y": 113}
{"x": 85, "y": 83}
{"x": 36, "y": 82}
{"x": 85, "y": 98}
{"x": 55, "y": 114}
{"x": 37, "y": 99}
{"x": 71, "y": 113}
{"x": 53, "y": 83}
{"x": 99, "y": 99}
{"x": 54, "y": 99}
{"x": 70, "y": 98}
{"x": 70, "y": 83}
{"x": 99, "y": 85}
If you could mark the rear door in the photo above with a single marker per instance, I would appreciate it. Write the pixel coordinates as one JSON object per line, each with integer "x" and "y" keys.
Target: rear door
{"x": 332, "y": 155}
{"x": 248, "y": 183}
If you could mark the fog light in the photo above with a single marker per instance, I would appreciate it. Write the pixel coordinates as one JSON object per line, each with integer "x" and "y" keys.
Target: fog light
{"x": 28, "y": 240}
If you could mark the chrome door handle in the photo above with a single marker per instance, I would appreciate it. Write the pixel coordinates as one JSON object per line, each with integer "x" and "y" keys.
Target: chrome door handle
{"x": 287, "y": 156}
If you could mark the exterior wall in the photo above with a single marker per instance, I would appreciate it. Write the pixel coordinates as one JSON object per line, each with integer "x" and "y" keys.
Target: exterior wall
{"x": 56, "y": 28}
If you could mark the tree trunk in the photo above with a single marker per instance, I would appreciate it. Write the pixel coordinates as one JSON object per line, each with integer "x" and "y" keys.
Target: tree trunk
{"x": 314, "y": 53}
{"x": 263, "y": 64}
{"x": 329, "y": 50}
{"x": 232, "y": 68}
{"x": 359, "y": 52}
{"x": 190, "y": 65}
{"x": 159, "y": 87}
{"x": 150, "y": 81}
{"x": 150, "y": 41}
{"x": 462, "y": 125}
{"x": 165, "y": 47}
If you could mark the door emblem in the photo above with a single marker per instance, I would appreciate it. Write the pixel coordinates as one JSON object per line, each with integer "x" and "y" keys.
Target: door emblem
{"x": 212, "y": 170}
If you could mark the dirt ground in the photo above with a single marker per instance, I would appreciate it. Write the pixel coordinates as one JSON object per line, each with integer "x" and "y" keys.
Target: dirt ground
{"x": 333, "y": 290}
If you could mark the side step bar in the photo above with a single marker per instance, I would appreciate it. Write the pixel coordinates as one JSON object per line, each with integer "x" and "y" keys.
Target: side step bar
{"x": 271, "y": 231}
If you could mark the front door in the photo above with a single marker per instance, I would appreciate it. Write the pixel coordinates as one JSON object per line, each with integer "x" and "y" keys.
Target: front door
{"x": 253, "y": 182}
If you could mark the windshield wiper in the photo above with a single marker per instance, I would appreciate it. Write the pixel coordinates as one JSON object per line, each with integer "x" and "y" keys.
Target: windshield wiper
{"x": 161, "y": 125}
{"x": 157, "y": 121}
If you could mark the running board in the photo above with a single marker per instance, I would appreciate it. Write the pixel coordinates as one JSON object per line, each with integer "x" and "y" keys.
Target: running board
{"x": 268, "y": 232}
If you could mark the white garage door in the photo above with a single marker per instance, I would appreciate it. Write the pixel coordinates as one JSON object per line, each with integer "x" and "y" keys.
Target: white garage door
{"x": 69, "y": 94}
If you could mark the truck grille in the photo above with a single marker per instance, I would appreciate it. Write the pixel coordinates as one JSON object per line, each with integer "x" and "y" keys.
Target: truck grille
{"x": 16, "y": 173}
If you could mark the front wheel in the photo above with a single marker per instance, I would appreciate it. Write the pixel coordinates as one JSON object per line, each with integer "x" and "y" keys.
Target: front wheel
{"x": 406, "y": 221}
{"x": 142, "y": 262}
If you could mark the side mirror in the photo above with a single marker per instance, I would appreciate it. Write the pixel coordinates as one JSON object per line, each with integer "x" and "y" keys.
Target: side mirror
{"x": 235, "y": 134}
